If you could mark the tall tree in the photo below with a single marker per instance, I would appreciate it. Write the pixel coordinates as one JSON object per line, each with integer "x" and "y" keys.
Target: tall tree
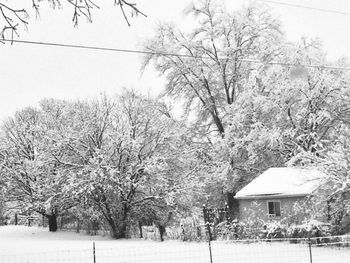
{"x": 114, "y": 154}
{"x": 123, "y": 158}
{"x": 205, "y": 67}
{"x": 32, "y": 180}
{"x": 288, "y": 112}
{"x": 336, "y": 165}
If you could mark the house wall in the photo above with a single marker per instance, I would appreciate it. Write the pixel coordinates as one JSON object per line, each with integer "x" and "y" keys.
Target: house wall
{"x": 256, "y": 210}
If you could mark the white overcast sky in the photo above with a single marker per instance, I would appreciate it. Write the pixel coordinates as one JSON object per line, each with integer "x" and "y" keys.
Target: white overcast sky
{"x": 29, "y": 73}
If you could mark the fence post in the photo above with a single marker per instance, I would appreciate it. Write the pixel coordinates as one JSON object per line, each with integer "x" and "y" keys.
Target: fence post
{"x": 310, "y": 250}
{"x": 207, "y": 225}
{"x": 93, "y": 249}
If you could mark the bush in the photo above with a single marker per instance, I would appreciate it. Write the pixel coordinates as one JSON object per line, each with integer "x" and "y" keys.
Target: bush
{"x": 273, "y": 230}
{"x": 237, "y": 230}
{"x": 312, "y": 229}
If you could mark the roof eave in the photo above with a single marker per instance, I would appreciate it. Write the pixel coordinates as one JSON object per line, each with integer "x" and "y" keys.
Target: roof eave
{"x": 247, "y": 197}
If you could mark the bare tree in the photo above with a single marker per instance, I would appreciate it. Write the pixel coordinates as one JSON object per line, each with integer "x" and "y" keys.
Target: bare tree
{"x": 12, "y": 17}
{"x": 205, "y": 67}
{"x": 109, "y": 149}
{"x": 31, "y": 179}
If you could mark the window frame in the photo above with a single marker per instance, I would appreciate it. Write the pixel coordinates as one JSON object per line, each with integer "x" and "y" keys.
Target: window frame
{"x": 268, "y": 209}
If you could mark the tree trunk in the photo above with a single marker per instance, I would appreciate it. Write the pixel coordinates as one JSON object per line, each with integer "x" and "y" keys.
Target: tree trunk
{"x": 218, "y": 123}
{"x": 114, "y": 231}
{"x": 78, "y": 226}
{"x": 122, "y": 226}
{"x": 52, "y": 222}
{"x": 122, "y": 230}
{"x": 118, "y": 231}
{"x": 118, "y": 228}
{"x": 140, "y": 227}
{"x": 161, "y": 229}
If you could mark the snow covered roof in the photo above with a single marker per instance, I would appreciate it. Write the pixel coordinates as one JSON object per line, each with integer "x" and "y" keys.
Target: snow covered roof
{"x": 282, "y": 182}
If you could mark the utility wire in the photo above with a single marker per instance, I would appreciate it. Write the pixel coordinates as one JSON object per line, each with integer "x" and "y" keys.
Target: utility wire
{"x": 133, "y": 51}
{"x": 97, "y": 48}
{"x": 305, "y": 7}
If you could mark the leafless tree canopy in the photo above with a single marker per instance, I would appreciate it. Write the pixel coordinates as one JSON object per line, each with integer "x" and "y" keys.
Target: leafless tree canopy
{"x": 211, "y": 74}
{"x": 12, "y": 17}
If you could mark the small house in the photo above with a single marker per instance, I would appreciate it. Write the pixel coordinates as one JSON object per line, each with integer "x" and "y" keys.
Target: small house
{"x": 274, "y": 193}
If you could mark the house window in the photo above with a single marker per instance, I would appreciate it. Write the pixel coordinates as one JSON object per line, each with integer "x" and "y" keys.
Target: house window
{"x": 274, "y": 208}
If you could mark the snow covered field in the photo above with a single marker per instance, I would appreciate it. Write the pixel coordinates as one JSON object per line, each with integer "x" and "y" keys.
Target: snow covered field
{"x": 35, "y": 245}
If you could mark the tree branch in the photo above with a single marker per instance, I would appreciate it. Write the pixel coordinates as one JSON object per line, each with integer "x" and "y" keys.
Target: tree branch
{"x": 12, "y": 18}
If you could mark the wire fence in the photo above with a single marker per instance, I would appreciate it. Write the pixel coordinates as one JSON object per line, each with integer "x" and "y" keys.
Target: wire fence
{"x": 333, "y": 249}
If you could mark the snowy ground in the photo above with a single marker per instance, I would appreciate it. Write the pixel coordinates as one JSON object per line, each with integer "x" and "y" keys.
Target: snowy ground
{"x": 35, "y": 245}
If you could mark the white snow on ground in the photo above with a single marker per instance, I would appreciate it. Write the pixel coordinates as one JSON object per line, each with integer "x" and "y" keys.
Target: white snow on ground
{"x": 19, "y": 244}
{"x": 37, "y": 239}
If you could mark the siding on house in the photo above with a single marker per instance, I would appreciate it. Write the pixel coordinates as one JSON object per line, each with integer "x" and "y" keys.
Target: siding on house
{"x": 257, "y": 208}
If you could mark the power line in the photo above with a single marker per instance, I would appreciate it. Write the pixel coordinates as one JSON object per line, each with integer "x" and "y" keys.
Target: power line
{"x": 306, "y": 7}
{"x": 93, "y": 48}
{"x": 133, "y": 51}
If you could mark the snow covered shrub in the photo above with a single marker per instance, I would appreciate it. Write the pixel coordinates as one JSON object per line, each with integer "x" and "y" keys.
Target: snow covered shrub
{"x": 190, "y": 230}
{"x": 296, "y": 231}
{"x": 229, "y": 230}
{"x": 237, "y": 230}
{"x": 343, "y": 227}
{"x": 93, "y": 225}
{"x": 275, "y": 230}
{"x": 254, "y": 216}
{"x": 340, "y": 220}
{"x": 312, "y": 229}
{"x": 222, "y": 230}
